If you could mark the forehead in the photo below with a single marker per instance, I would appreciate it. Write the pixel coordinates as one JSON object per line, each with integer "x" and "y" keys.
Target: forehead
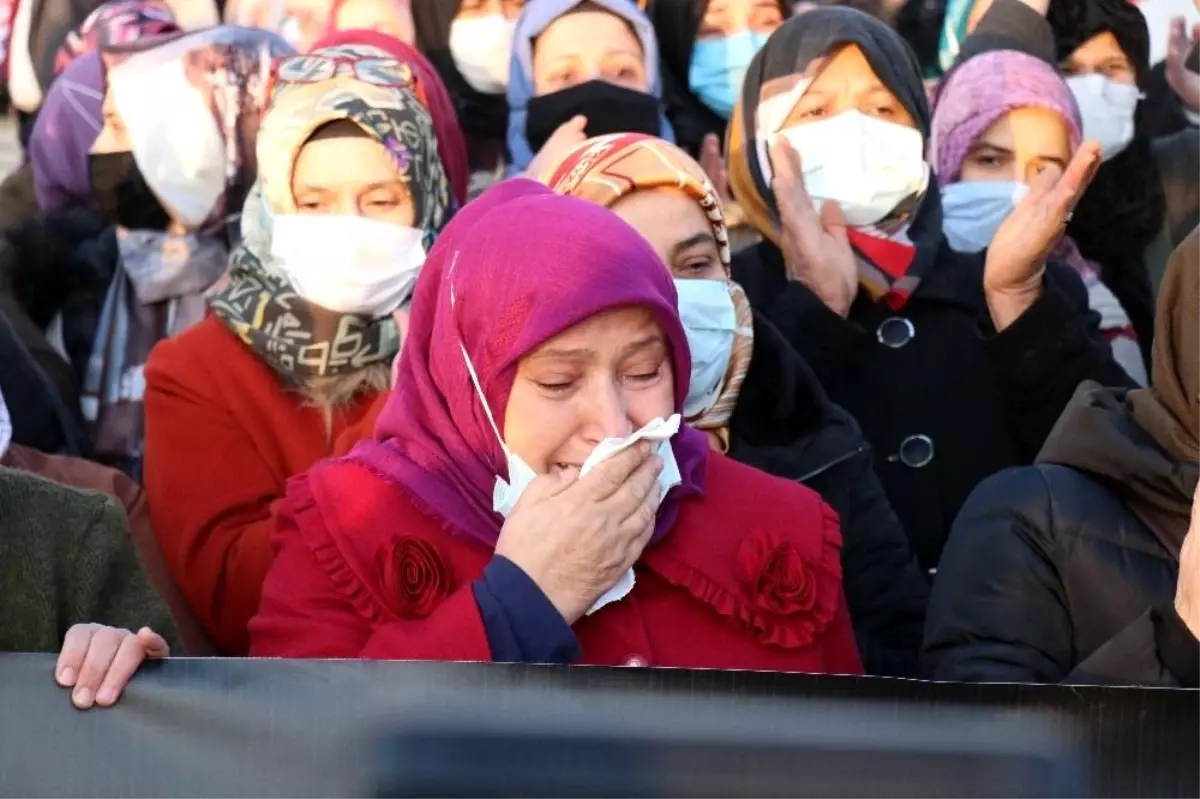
{"x": 1029, "y": 127}
{"x": 592, "y": 30}
{"x": 609, "y": 330}
{"x": 663, "y": 215}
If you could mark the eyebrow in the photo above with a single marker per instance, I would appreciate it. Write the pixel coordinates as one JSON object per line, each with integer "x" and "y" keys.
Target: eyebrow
{"x": 690, "y": 242}
{"x": 581, "y": 353}
{"x": 383, "y": 184}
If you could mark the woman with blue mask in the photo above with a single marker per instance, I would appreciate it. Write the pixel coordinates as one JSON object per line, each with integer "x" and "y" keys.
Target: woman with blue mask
{"x": 754, "y": 397}
{"x": 706, "y": 46}
{"x": 999, "y": 118}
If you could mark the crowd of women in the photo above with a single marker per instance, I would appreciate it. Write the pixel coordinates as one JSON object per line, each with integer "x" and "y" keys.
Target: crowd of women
{"x": 701, "y": 333}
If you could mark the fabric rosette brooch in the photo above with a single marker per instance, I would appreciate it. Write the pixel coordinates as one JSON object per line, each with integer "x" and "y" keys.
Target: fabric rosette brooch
{"x": 417, "y": 578}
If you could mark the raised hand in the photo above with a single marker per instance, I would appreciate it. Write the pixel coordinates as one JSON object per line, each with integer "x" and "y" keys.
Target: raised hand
{"x": 564, "y": 139}
{"x": 1184, "y": 81}
{"x": 713, "y": 165}
{"x": 1016, "y": 259}
{"x": 816, "y": 247}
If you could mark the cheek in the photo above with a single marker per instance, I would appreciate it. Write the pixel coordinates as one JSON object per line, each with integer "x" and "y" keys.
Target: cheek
{"x": 657, "y": 402}
{"x": 535, "y": 427}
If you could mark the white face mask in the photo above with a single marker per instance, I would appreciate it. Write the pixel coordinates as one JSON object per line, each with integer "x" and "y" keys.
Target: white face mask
{"x": 1107, "y": 108}
{"x": 972, "y": 211}
{"x": 174, "y": 136}
{"x": 348, "y": 264}
{"x": 709, "y": 320}
{"x": 505, "y": 494}
{"x": 482, "y": 49}
{"x": 864, "y": 164}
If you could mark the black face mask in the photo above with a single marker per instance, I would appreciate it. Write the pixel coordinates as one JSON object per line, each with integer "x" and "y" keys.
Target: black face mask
{"x": 122, "y": 193}
{"x": 609, "y": 109}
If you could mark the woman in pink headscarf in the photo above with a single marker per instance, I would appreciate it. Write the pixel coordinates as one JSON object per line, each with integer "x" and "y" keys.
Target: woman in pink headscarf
{"x": 530, "y": 494}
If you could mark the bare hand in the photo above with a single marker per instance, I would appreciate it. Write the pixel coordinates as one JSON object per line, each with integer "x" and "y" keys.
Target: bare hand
{"x": 1187, "y": 592}
{"x": 1184, "y": 81}
{"x": 98, "y": 661}
{"x": 815, "y": 247}
{"x": 714, "y": 165}
{"x": 1016, "y": 258}
{"x": 565, "y": 138}
{"x": 575, "y": 537}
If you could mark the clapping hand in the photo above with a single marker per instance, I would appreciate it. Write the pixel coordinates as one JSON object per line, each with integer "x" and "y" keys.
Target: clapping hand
{"x": 1016, "y": 258}
{"x": 1184, "y": 81}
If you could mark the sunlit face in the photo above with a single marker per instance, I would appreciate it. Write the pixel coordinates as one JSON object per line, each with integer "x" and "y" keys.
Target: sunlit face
{"x": 1100, "y": 55}
{"x": 386, "y": 16}
{"x": 474, "y": 9}
{"x": 588, "y": 45}
{"x": 113, "y": 136}
{"x": 846, "y": 82}
{"x": 726, "y": 17}
{"x": 350, "y": 175}
{"x": 677, "y": 229}
{"x": 1018, "y": 145}
{"x": 603, "y": 378}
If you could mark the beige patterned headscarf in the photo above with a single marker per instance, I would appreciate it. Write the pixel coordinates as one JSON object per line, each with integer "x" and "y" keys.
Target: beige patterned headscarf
{"x": 605, "y": 169}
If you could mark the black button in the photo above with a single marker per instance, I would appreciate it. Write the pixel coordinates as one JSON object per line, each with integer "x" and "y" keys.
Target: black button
{"x": 915, "y": 452}
{"x": 895, "y": 332}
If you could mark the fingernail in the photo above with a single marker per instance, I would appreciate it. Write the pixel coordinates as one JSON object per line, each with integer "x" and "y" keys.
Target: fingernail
{"x": 106, "y": 696}
{"x": 66, "y": 676}
{"x": 83, "y": 697}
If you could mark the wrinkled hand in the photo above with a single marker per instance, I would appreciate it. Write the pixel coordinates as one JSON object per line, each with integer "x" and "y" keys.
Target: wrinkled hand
{"x": 1016, "y": 258}
{"x": 815, "y": 247}
{"x": 713, "y": 165}
{"x": 575, "y": 537}
{"x": 97, "y": 661}
{"x": 566, "y": 137}
{"x": 1187, "y": 591}
{"x": 1185, "y": 82}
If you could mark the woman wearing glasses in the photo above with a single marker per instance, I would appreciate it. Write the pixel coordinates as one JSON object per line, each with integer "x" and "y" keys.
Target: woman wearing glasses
{"x": 294, "y": 363}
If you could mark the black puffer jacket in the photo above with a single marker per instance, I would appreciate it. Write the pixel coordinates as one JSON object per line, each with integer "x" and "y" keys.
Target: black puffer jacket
{"x": 785, "y": 424}
{"x": 1066, "y": 571}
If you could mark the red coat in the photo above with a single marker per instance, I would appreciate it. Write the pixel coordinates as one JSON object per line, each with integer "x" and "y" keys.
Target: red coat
{"x": 748, "y": 578}
{"x": 223, "y": 435}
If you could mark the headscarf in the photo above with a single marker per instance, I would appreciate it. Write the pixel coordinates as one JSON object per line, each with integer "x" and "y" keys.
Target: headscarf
{"x": 65, "y": 130}
{"x": 895, "y": 254}
{"x": 115, "y": 23}
{"x": 535, "y": 18}
{"x": 1170, "y": 409}
{"x": 302, "y": 341}
{"x": 517, "y": 267}
{"x": 452, "y": 147}
{"x": 1124, "y": 207}
{"x": 482, "y": 116}
{"x": 605, "y": 169}
{"x": 677, "y": 25}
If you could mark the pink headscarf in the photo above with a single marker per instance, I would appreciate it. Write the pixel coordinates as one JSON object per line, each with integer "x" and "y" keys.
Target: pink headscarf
{"x": 513, "y": 269}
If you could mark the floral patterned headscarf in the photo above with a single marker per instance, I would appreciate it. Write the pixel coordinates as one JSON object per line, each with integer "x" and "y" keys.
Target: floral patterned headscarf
{"x": 370, "y": 88}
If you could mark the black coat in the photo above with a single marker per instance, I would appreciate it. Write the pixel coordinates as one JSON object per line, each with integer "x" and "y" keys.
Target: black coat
{"x": 1058, "y": 573}
{"x": 784, "y": 424}
{"x": 985, "y": 401}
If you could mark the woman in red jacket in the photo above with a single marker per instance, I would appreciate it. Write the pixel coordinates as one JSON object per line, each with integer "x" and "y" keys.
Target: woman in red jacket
{"x": 294, "y": 362}
{"x": 543, "y": 337}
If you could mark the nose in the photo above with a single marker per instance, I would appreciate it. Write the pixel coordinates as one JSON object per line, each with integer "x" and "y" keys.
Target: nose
{"x": 606, "y": 414}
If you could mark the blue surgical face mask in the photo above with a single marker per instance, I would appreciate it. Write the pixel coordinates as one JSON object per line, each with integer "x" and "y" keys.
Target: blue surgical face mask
{"x": 718, "y": 66}
{"x": 973, "y": 210}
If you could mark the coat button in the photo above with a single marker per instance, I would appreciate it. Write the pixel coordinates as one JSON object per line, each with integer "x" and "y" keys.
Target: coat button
{"x": 636, "y": 661}
{"x": 915, "y": 452}
{"x": 895, "y": 332}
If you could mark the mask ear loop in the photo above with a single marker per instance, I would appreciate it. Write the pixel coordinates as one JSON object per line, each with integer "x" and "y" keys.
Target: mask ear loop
{"x": 470, "y": 366}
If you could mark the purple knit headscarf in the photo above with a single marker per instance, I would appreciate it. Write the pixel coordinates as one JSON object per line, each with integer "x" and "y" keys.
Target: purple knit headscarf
{"x": 983, "y": 89}
{"x": 513, "y": 269}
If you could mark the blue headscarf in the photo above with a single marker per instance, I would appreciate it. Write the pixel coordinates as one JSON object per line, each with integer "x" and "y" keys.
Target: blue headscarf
{"x": 535, "y": 18}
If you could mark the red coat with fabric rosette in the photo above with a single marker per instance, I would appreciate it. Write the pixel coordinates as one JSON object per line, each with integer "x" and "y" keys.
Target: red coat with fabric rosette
{"x": 748, "y": 578}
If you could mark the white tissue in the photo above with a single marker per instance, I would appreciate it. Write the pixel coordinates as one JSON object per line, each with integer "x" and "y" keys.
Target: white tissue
{"x": 660, "y": 430}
